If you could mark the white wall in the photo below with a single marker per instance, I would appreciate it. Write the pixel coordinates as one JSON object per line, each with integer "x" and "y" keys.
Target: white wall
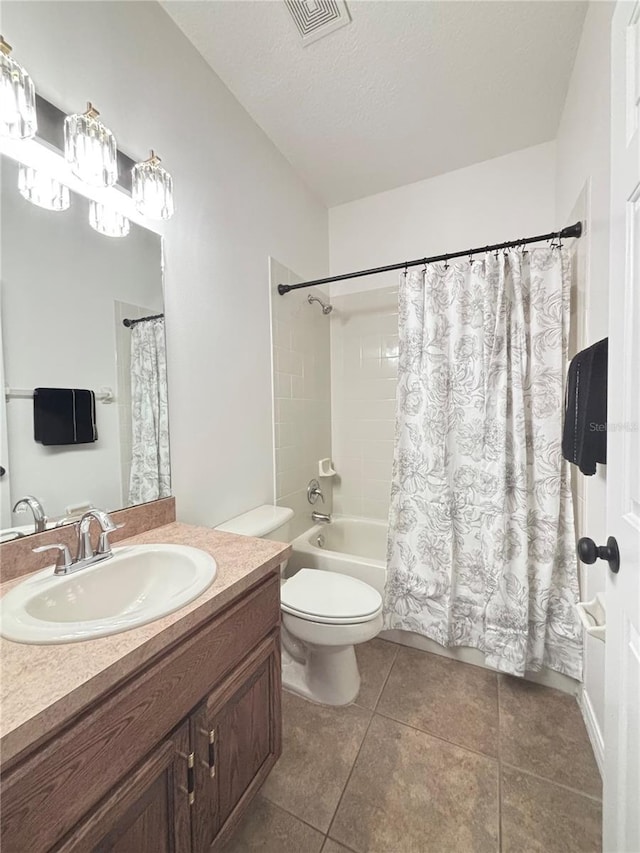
{"x": 508, "y": 197}
{"x": 238, "y": 201}
{"x": 301, "y": 396}
{"x": 582, "y": 170}
{"x": 60, "y": 279}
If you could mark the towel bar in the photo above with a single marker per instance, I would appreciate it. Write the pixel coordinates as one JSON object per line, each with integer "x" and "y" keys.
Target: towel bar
{"x": 104, "y": 395}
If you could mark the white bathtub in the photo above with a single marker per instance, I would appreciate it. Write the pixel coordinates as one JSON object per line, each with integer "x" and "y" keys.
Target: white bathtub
{"x": 352, "y": 546}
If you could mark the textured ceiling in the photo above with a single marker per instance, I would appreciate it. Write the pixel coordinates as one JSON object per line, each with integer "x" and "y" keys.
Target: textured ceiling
{"x": 408, "y": 90}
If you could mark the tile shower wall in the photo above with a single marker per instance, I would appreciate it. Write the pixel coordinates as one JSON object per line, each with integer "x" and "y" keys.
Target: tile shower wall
{"x": 364, "y": 367}
{"x": 301, "y": 395}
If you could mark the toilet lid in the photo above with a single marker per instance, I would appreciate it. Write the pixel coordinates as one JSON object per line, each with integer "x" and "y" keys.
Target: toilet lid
{"x": 318, "y": 595}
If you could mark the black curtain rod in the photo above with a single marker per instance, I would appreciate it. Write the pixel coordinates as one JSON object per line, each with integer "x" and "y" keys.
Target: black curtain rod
{"x": 564, "y": 234}
{"x": 131, "y": 323}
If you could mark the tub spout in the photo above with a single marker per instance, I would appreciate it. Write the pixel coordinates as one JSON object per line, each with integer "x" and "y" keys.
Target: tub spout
{"x": 321, "y": 517}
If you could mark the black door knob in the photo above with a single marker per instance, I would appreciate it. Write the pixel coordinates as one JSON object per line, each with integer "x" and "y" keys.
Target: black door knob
{"x": 589, "y": 552}
{"x": 3, "y": 471}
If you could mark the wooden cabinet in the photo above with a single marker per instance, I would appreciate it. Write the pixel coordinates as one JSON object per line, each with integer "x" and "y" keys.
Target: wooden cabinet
{"x": 236, "y": 744}
{"x": 149, "y": 810}
{"x": 168, "y": 762}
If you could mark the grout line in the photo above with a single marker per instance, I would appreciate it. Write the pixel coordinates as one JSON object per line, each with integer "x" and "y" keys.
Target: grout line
{"x": 355, "y": 761}
{"x": 373, "y": 713}
{"x": 346, "y": 846}
{"x": 438, "y": 737}
{"x": 290, "y": 813}
{"x": 384, "y": 684}
{"x": 553, "y": 782}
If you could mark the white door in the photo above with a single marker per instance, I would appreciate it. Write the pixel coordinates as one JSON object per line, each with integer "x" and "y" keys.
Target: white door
{"x": 622, "y": 699}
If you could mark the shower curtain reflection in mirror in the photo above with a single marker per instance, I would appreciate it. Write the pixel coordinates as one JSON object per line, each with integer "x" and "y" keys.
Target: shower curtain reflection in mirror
{"x": 150, "y": 464}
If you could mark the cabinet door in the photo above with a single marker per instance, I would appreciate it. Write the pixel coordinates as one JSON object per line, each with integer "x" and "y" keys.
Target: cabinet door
{"x": 148, "y": 812}
{"x": 238, "y": 738}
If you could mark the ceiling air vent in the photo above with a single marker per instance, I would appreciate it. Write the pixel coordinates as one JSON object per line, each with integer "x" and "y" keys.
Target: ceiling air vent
{"x": 317, "y": 18}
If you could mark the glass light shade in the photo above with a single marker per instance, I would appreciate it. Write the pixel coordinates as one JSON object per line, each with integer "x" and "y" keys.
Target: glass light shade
{"x": 152, "y": 189}
{"x": 90, "y": 149}
{"x": 40, "y": 189}
{"x": 17, "y": 98}
{"x": 107, "y": 221}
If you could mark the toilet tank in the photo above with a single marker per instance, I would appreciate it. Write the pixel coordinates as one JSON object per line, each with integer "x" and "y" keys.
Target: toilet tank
{"x": 263, "y": 522}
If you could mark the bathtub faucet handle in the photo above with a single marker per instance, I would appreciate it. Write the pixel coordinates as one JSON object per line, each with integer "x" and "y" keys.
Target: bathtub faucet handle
{"x": 314, "y": 492}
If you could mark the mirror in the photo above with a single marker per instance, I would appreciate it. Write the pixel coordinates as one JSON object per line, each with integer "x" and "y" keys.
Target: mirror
{"x": 66, "y": 290}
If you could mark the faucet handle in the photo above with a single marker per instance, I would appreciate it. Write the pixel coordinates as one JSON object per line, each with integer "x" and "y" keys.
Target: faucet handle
{"x": 63, "y": 560}
{"x": 314, "y": 492}
{"x": 109, "y": 525}
{"x": 104, "y": 546}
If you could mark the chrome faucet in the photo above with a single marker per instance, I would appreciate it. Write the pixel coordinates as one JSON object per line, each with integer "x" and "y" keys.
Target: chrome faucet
{"x": 85, "y": 555}
{"x": 39, "y": 518}
{"x": 321, "y": 517}
{"x": 85, "y": 548}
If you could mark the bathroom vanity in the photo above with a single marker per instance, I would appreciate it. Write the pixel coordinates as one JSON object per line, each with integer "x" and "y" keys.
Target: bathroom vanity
{"x": 155, "y": 739}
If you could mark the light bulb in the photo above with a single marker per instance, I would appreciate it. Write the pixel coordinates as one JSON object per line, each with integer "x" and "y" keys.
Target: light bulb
{"x": 152, "y": 189}
{"x": 42, "y": 190}
{"x": 107, "y": 221}
{"x": 18, "y": 118}
{"x": 90, "y": 149}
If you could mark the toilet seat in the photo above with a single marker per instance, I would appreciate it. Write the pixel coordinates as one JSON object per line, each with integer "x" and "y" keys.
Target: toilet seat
{"x": 330, "y": 598}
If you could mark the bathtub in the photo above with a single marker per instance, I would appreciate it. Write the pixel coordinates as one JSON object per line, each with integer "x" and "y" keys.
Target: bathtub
{"x": 352, "y": 546}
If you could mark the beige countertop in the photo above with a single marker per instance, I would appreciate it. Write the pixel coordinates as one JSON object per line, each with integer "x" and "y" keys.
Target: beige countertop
{"x": 44, "y": 686}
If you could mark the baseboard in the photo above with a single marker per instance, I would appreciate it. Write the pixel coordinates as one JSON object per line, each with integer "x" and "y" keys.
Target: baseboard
{"x": 593, "y": 729}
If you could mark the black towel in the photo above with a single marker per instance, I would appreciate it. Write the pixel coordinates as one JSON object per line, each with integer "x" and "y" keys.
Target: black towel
{"x": 64, "y": 416}
{"x": 584, "y": 439}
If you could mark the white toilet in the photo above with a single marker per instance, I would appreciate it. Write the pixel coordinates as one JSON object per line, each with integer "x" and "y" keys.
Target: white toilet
{"x": 324, "y": 614}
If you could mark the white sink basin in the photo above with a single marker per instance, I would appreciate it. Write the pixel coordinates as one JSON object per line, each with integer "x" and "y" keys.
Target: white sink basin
{"x": 138, "y": 584}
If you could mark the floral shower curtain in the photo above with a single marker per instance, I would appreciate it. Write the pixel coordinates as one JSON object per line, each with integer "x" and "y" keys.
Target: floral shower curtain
{"x": 481, "y": 548}
{"x": 150, "y": 466}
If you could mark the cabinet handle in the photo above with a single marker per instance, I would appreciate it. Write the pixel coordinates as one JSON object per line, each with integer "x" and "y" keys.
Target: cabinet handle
{"x": 212, "y": 753}
{"x": 210, "y": 734}
{"x": 190, "y": 790}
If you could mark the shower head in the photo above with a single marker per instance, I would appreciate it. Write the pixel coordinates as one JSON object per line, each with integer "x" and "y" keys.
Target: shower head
{"x": 327, "y": 308}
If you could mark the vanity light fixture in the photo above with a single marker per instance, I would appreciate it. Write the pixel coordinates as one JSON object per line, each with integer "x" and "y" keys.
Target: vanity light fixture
{"x": 90, "y": 148}
{"x": 17, "y": 98}
{"x": 42, "y": 190}
{"x": 152, "y": 189}
{"x": 107, "y": 221}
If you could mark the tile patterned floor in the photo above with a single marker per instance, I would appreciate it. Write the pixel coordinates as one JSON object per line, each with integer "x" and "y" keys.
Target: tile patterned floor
{"x": 435, "y": 755}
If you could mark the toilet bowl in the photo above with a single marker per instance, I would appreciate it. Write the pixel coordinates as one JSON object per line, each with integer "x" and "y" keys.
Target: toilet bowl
{"x": 329, "y": 613}
{"x": 324, "y": 616}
